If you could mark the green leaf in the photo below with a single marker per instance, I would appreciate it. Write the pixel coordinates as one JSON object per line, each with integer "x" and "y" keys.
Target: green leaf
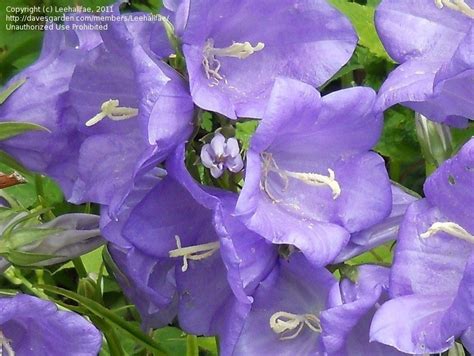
{"x": 9, "y": 91}
{"x": 208, "y": 344}
{"x": 206, "y": 121}
{"x": 11, "y": 129}
{"x": 399, "y": 141}
{"x": 244, "y": 131}
{"x": 456, "y": 350}
{"x": 110, "y": 316}
{"x": 461, "y": 136}
{"x": 362, "y": 17}
{"x": 9, "y": 161}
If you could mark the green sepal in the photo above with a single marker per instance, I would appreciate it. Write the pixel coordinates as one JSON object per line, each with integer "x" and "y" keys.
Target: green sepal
{"x": 22, "y": 237}
{"x": 25, "y": 259}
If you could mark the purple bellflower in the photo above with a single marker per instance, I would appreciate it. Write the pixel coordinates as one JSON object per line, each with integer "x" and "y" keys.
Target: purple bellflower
{"x": 147, "y": 282}
{"x": 346, "y": 322}
{"x": 285, "y": 314}
{"x": 114, "y": 112}
{"x": 213, "y": 249}
{"x": 432, "y": 40}
{"x": 432, "y": 278}
{"x": 310, "y": 177}
{"x": 222, "y": 153}
{"x": 234, "y": 50}
{"x": 31, "y": 326}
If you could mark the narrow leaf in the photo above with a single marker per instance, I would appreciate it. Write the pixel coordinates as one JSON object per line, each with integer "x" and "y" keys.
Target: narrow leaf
{"x": 362, "y": 17}
{"x": 9, "y": 91}
{"x": 11, "y": 129}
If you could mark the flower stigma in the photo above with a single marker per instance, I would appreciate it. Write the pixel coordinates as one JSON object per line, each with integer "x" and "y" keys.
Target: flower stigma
{"x": 238, "y": 50}
{"x": 450, "y": 228}
{"x": 457, "y": 5}
{"x": 113, "y": 111}
{"x": 195, "y": 253}
{"x": 314, "y": 179}
{"x": 282, "y": 322}
{"x": 5, "y": 346}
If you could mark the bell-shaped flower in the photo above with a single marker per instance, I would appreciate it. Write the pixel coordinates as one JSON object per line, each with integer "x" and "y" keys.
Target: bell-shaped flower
{"x": 285, "y": 315}
{"x": 432, "y": 276}
{"x": 146, "y": 281}
{"x": 310, "y": 177}
{"x": 216, "y": 263}
{"x": 118, "y": 112}
{"x": 31, "y": 326}
{"x": 234, "y": 50}
{"x": 346, "y": 323}
{"x": 432, "y": 40}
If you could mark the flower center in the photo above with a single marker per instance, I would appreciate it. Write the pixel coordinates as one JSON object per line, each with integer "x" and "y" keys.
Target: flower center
{"x": 113, "y": 111}
{"x": 236, "y": 50}
{"x": 195, "y": 253}
{"x": 450, "y": 228}
{"x": 282, "y": 322}
{"x": 457, "y": 5}
{"x": 314, "y": 179}
{"x": 5, "y": 345}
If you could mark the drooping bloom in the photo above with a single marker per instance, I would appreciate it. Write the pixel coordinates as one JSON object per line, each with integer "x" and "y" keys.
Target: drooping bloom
{"x": 346, "y": 323}
{"x": 212, "y": 260}
{"x": 310, "y": 178}
{"x": 378, "y": 234}
{"x": 234, "y": 50}
{"x": 113, "y": 108}
{"x": 432, "y": 277}
{"x": 285, "y": 314}
{"x": 222, "y": 153}
{"x": 31, "y": 326}
{"x": 432, "y": 41}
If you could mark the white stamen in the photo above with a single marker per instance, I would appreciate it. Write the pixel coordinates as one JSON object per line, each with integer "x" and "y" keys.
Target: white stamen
{"x": 113, "y": 111}
{"x": 450, "y": 228}
{"x": 5, "y": 345}
{"x": 237, "y": 50}
{"x": 282, "y": 322}
{"x": 457, "y": 5}
{"x": 195, "y": 253}
{"x": 307, "y": 178}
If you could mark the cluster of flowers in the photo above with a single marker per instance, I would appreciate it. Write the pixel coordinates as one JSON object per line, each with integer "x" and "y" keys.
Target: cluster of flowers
{"x": 251, "y": 267}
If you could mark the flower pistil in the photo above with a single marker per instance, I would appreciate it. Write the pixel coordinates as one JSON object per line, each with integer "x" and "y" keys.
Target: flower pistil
{"x": 283, "y": 322}
{"x": 5, "y": 346}
{"x": 113, "y": 111}
{"x": 450, "y": 228}
{"x": 457, "y": 5}
{"x": 309, "y": 178}
{"x": 195, "y": 253}
{"x": 236, "y": 50}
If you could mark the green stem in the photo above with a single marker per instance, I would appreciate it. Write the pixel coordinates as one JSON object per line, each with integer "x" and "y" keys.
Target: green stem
{"x": 192, "y": 347}
{"x": 14, "y": 276}
{"x": 80, "y": 268}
